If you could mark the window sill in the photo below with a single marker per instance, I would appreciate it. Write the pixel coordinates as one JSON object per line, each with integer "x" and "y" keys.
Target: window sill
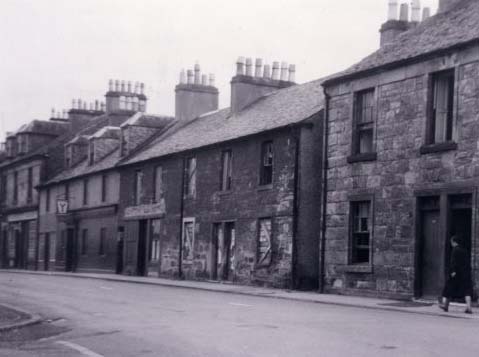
{"x": 265, "y": 187}
{"x": 225, "y": 192}
{"x": 441, "y": 147}
{"x": 370, "y": 156}
{"x": 359, "y": 268}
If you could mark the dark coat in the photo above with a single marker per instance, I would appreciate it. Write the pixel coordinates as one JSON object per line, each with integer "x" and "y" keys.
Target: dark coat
{"x": 460, "y": 285}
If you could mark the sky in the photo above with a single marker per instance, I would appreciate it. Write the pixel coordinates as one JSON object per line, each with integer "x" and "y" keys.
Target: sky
{"x": 55, "y": 50}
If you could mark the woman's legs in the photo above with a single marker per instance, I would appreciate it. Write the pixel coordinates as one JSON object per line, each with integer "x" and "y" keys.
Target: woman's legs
{"x": 468, "y": 304}
{"x": 445, "y": 304}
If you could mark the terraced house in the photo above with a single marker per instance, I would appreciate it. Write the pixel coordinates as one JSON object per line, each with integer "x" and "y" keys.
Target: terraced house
{"x": 402, "y": 172}
{"x": 233, "y": 194}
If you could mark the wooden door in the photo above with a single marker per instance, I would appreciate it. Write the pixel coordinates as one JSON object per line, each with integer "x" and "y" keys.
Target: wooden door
{"x": 432, "y": 255}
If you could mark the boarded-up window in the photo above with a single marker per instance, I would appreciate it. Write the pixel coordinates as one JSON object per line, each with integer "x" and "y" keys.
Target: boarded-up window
{"x": 264, "y": 254}
{"x": 188, "y": 240}
{"x": 190, "y": 177}
{"x": 364, "y": 112}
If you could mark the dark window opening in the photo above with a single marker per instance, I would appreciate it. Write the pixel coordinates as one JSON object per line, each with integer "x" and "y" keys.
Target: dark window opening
{"x": 103, "y": 187}
{"x": 226, "y": 170}
{"x": 30, "y": 185}
{"x": 361, "y": 232}
{"x": 85, "y": 191}
{"x": 265, "y": 242}
{"x": 190, "y": 177}
{"x": 364, "y": 112}
{"x": 267, "y": 156}
{"x": 101, "y": 250}
{"x": 84, "y": 242}
{"x": 15, "y": 188}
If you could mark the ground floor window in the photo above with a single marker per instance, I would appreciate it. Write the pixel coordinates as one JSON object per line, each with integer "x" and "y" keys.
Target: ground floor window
{"x": 84, "y": 241}
{"x": 101, "y": 250}
{"x": 155, "y": 231}
{"x": 188, "y": 239}
{"x": 361, "y": 228}
{"x": 265, "y": 247}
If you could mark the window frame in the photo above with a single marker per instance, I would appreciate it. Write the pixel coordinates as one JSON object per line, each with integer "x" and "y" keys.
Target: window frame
{"x": 352, "y": 203}
{"x": 104, "y": 179}
{"x": 262, "y": 172}
{"x": 226, "y": 172}
{"x": 358, "y": 125}
{"x": 267, "y": 261}
{"x": 190, "y": 177}
{"x": 158, "y": 185}
{"x": 30, "y": 185}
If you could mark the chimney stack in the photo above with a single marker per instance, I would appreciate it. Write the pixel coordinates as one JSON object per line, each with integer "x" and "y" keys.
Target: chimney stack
{"x": 416, "y": 11}
{"x": 394, "y": 26}
{"x": 404, "y": 12}
{"x": 120, "y": 97}
{"x": 198, "y": 95}
{"x": 246, "y": 88}
{"x": 426, "y": 13}
{"x": 393, "y": 10}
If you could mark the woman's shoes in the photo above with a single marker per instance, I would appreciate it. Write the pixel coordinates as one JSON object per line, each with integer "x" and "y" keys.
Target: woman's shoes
{"x": 444, "y": 307}
{"x": 468, "y": 311}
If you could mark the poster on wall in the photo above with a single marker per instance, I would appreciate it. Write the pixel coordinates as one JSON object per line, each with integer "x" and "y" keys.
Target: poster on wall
{"x": 188, "y": 240}
{"x": 264, "y": 243}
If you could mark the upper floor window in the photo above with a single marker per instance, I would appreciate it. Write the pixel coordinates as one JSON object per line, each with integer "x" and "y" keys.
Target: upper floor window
{"x": 15, "y": 187}
{"x": 158, "y": 184}
{"x": 138, "y": 192}
{"x": 104, "y": 187}
{"x": 190, "y": 177}
{"x": 85, "y": 191}
{"x": 226, "y": 169}
{"x": 267, "y": 156}
{"x": 30, "y": 185}
{"x": 47, "y": 199}
{"x": 441, "y": 108}
{"x": 363, "y": 122}
{"x": 361, "y": 225}
{"x": 91, "y": 153}
{"x": 264, "y": 243}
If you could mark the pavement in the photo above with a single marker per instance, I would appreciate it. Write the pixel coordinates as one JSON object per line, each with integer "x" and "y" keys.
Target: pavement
{"x": 14, "y": 318}
{"x": 424, "y": 307}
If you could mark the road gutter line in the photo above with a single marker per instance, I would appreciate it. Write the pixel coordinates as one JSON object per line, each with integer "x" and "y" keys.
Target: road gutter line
{"x": 83, "y": 350}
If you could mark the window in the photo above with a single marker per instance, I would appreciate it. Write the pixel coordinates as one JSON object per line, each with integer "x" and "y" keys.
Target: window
{"x": 3, "y": 192}
{"x": 266, "y": 173}
{"x": 85, "y": 191}
{"x": 440, "y": 121}
{"x": 103, "y": 187}
{"x": 67, "y": 192}
{"x": 264, "y": 250}
{"x": 155, "y": 240}
{"x": 123, "y": 144}
{"x": 188, "y": 241}
{"x": 138, "y": 187}
{"x": 361, "y": 225}
{"x": 364, "y": 112}
{"x": 30, "y": 185}
{"x": 158, "y": 184}
{"x": 190, "y": 177}
{"x": 47, "y": 200}
{"x": 15, "y": 187}
{"x": 84, "y": 241}
{"x": 91, "y": 153}
{"x": 226, "y": 170}
{"x": 101, "y": 250}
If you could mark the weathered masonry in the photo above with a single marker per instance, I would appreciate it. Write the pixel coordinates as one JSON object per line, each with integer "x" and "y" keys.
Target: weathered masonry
{"x": 403, "y": 161}
{"x": 234, "y": 194}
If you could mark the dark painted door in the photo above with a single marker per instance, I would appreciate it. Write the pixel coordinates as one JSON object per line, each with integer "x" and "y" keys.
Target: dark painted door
{"x": 70, "y": 250}
{"x": 432, "y": 255}
{"x": 47, "y": 252}
{"x": 223, "y": 251}
{"x": 4, "y": 248}
{"x": 461, "y": 225}
{"x": 142, "y": 239}
{"x": 19, "y": 249}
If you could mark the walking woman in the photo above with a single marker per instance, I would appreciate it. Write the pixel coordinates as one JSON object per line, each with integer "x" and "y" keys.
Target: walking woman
{"x": 459, "y": 283}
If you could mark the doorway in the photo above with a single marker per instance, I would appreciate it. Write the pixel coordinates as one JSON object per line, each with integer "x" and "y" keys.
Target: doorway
{"x": 4, "y": 248}
{"x": 142, "y": 239}
{"x": 20, "y": 248}
{"x": 70, "y": 248}
{"x": 223, "y": 249}
{"x": 46, "y": 253}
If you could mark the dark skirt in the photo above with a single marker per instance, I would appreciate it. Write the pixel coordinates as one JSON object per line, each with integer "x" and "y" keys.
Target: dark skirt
{"x": 458, "y": 287}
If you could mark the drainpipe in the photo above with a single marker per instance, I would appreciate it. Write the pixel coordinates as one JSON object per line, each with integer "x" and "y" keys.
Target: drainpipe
{"x": 182, "y": 209}
{"x": 322, "y": 247}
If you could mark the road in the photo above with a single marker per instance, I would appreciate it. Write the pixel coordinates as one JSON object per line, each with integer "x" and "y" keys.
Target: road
{"x": 100, "y": 318}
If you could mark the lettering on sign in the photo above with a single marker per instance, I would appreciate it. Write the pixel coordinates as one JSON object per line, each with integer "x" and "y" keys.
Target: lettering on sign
{"x": 145, "y": 211}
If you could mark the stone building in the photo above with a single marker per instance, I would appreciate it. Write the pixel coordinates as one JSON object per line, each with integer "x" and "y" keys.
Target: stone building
{"x": 402, "y": 158}
{"x": 82, "y": 236}
{"x": 33, "y": 154}
{"x": 230, "y": 194}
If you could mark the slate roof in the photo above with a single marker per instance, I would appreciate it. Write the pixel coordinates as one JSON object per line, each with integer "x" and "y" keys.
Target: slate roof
{"x": 146, "y": 120}
{"x": 456, "y": 27}
{"x": 278, "y": 109}
{"x": 44, "y": 127}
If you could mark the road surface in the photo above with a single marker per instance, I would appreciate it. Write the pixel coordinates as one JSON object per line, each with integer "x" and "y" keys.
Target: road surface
{"x": 100, "y": 318}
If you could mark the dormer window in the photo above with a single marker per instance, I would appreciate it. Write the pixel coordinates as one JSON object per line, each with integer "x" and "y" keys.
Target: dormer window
{"x": 124, "y": 147}
{"x": 91, "y": 153}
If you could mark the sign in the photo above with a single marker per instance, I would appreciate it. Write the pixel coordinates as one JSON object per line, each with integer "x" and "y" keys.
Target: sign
{"x": 62, "y": 206}
{"x": 24, "y": 216}
{"x": 145, "y": 211}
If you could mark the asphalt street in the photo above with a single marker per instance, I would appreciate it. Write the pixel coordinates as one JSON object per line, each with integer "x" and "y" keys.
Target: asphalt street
{"x": 99, "y": 318}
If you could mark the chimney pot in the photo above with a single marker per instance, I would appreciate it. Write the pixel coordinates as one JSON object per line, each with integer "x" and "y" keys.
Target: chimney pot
{"x": 190, "y": 76}
{"x": 267, "y": 71}
{"x": 240, "y": 66}
{"x": 197, "y": 74}
{"x": 404, "y": 12}
{"x": 122, "y": 88}
{"x": 53, "y": 112}
{"x": 393, "y": 10}
{"x": 110, "y": 85}
{"x": 426, "y": 13}
{"x": 249, "y": 67}
{"x": 204, "y": 80}
{"x": 117, "y": 85}
{"x": 258, "y": 66}
{"x": 416, "y": 11}
{"x": 275, "y": 74}
{"x": 212, "y": 80}
{"x": 182, "y": 77}
{"x": 80, "y": 105}
{"x": 284, "y": 71}
{"x": 129, "y": 87}
{"x": 292, "y": 73}
{"x": 74, "y": 104}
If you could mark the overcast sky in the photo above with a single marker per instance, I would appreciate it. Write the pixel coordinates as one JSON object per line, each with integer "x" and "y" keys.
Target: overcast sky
{"x": 56, "y": 50}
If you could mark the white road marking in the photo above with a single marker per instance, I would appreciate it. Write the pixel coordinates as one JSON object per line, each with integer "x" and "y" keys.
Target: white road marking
{"x": 105, "y": 288}
{"x": 83, "y": 350}
{"x": 238, "y": 304}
